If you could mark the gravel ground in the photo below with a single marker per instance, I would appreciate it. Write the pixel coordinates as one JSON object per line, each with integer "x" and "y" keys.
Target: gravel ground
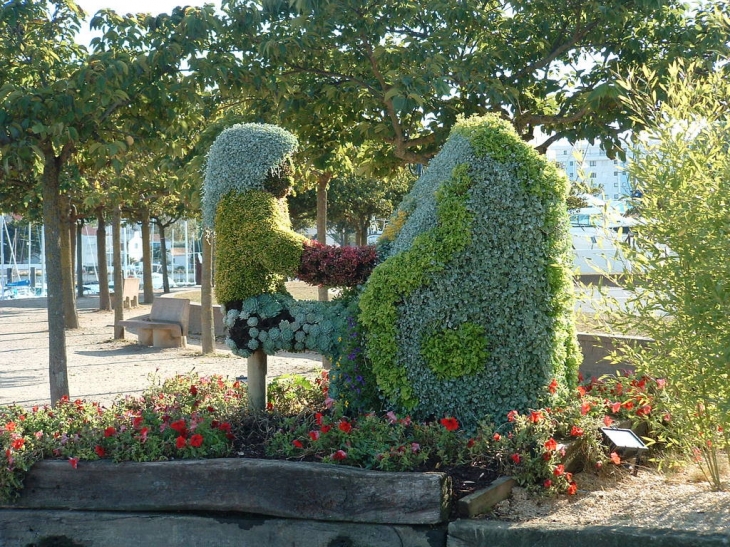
{"x": 101, "y": 369}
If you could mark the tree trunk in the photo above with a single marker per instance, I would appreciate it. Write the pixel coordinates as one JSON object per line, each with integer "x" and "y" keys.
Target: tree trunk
{"x": 322, "y": 183}
{"x": 322, "y": 293}
{"x": 69, "y": 291}
{"x": 117, "y": 265}
{"x": 105, "y": 302}
{"x": 149, "y": 294}
{"x": 163, "y": 250}
{"x": 80, "y": 259}
{"x": 206, "y": 295}
{"x": 57, "y": 364}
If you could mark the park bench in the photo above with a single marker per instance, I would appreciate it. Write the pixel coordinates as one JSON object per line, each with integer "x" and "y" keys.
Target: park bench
{"x": 165, "y": 327}
{"x": 130, "y": 293}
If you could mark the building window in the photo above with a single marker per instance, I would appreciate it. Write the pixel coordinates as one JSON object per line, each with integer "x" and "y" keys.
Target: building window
{"x": 615, "y": 162}
{"x": 615, "y": 196}
{"x": 571, "y": 163}
{"x": 615, "y": 184}
{"x": 593, "y": 175}
{"x": 592, "y": 163}
{"x": 565, "y": 152}
{"x": 615, "y": 173}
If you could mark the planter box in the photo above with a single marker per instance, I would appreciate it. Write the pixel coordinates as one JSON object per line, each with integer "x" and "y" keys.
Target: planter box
{"x": 265, "y": 487}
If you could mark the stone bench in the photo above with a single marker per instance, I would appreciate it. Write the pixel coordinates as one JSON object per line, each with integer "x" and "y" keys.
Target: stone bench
{"x": 165, "y": 327}
{"x": 130, "y": 293}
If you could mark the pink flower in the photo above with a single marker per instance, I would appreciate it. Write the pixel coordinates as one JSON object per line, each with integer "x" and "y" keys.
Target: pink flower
{"x": 392, "y": 418}
{"x": 314, "y": 435}
{"x": 607, "y": 421}
{"x": 511, "y": 415}
{"x": 328, "y": 402}
{"x": 415, "y": 447}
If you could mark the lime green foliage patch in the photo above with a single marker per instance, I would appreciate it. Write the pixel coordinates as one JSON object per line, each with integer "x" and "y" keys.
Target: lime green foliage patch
{"x": 256, "y": 247}
{"x": 451, "y": 353}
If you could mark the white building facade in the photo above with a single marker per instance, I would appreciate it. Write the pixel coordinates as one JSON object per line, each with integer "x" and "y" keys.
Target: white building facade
{"x": 589, "y": 163}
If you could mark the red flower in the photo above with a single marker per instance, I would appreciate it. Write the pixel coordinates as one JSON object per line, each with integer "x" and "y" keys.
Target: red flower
{"x": 644, "y": 410}
{"x": 581, "y": 391}
{"x": 516, "y": 458}
{"x": 339, "y": 455}
{"x": 180, "y": 442}
{"x": 451, "y": 424}
{"x": 576, "y": 431}
{"x": 547, "y": 456}
{"x": 326, "y": 429}
{"x": 585, "y": 408}
{"x": 497, "y": 437}
{"x": 100, "y": 451}
{"x": 269, "y": 406}
{"x": 618, "y": 389}
{"x": 548, "y": 483}
{"x": 615, "y": 407}
{"x": 553, "y": 387}
{"x": 314, "y": 435}
{"x": 193, "y": 391}
{"x": 607, "y": 421}
{"x": 661, "y": 383}
{"x": 180, "y": 427}
{"x": 10, "y": 426}
{"x": 196, "y": 440}
{"x": 559, "y": 470}
{"x": 74, "y": 462}
{"x": 511, "y": 415}
{"x": 109, "y": 431}
{"x": 550, "y": 444}
{"x": 137, "y": 422}
{"x": 18, "y": 443}
{"x": 344, "y": 426}
{"x": 572, "y": 489}
{"x": 535, "y": 417}
{"x": 211, "y": 409}
{"x": 318, "y": 418}
{"x": 615, "y": 458}
{"x": 470, "y": 443}
{"x": 297, "y": 443}
{"x": 628, "y": 405}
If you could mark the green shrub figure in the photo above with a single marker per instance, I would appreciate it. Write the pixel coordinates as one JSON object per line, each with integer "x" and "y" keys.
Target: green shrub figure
{"x": 471, "y": 313}
{"x": 247, "y": 177}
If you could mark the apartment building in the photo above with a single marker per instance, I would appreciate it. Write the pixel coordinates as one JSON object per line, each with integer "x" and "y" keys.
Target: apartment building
{"x": 589, "y": 163}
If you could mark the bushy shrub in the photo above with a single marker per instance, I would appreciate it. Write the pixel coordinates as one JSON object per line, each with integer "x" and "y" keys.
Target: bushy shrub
{"x": 336, "y": 266}
{"x": 679, "y": 278}
{"x": 484, "y": 253}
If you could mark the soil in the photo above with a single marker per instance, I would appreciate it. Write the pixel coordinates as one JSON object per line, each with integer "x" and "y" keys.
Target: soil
{"x": 102, "y": 369}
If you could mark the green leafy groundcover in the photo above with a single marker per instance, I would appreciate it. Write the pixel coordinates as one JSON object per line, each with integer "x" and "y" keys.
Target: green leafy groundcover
{"x": 191, "y": 416}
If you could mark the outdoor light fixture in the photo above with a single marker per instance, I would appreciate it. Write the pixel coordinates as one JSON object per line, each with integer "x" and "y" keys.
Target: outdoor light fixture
{"x": 625, "y": 443}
